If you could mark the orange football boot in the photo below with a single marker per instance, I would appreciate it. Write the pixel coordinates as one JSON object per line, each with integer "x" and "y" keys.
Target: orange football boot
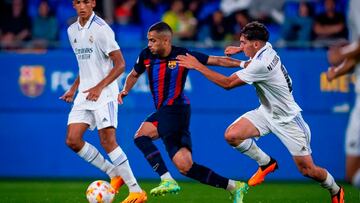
{"x": 136, "y": 197}
{"x": 263, "y": 171}
{"x": 116, "y": 182}
{"x": 338, "y": 197}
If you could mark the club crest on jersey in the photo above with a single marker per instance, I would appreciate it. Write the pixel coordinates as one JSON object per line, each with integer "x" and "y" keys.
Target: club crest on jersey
{"x": 91, "y": 39}
{"x": 172, "y": 64}
{"x": 32, "y": 80}
{"x": 75, "y": 41}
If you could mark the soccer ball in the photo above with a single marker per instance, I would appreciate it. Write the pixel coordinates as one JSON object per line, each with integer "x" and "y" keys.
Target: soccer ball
{"x": 100, "y": 191}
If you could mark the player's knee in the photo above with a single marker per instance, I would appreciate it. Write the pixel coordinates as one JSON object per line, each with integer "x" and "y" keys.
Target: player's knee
{"x": 183, "y": 166}
{"x": 73, "y": 143}
{"x": 232, "y": 137}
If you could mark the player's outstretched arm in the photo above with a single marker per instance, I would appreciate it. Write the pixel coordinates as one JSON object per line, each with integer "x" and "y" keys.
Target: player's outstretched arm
{"x": 231, "y": 50}
{"x": 223, "y": 61}
{"x": 336, "y": 55}
{"x": 68, "y": 96}
{"x": 118, "y": 69}
{"x": 130, "y": 81}
{"x": 191, "y": 62}
{"x": 336, "y": 71}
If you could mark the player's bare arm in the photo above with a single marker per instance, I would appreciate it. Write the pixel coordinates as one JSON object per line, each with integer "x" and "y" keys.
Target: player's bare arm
{"x": 336, "y": 71}
{"x": 130, "y": 81}
{"x": 191, "y": 62}
{"x": 118, "y": 69}
{"x": 68, "y": 96}
{"x": 231, "y": 50}
{"x": 223, "y": 61}
{"x": 336, "y": 55}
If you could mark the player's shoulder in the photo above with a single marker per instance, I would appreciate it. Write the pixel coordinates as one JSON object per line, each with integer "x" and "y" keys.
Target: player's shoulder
{"x": 179, "y": 50}
{"x": 72, "y": 27}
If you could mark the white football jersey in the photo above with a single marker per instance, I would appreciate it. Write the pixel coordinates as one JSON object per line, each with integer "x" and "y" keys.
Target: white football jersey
{"x": 354, "y": 28}
{"x": 92, "y": 44}
{"x": 272, "y": 83}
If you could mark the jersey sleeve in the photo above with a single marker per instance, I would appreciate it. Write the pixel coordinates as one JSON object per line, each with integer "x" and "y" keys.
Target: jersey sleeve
{"x": 256, "y": 71}
{"x": 203, "y": 58}
{"x": 139, "y": 66}
{"x": 107, "y": 41}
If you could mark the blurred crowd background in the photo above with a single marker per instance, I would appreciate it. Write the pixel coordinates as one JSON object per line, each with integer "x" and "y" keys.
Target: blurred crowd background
{"x": 37, "y": 25}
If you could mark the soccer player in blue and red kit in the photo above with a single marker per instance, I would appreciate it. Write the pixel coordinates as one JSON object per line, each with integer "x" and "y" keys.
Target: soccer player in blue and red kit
{"x": 170, "y": 121}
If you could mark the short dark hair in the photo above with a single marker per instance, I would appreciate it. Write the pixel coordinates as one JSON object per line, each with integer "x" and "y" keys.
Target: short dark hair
{"x": 255, "y": 31}
{"x": 160, "y": 27}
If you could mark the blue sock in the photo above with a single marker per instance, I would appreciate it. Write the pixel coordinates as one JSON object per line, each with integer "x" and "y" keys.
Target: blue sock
{"x": 151, "y": 153}
{"x": 207, "y": 176}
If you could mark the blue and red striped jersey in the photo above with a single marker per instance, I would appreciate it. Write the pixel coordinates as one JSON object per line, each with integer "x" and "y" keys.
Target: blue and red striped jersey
{"x": 166, "y": 78}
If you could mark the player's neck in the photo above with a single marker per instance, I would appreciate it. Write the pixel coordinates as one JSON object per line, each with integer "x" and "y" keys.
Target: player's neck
{"x": 84, "y": 20}
{"x": 166, "y": 52}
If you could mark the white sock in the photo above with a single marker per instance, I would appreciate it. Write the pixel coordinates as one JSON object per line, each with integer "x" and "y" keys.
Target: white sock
{"x": 231, "y": 185}
{"x": 166, "y": 176}
{"x": 249, "y": 148}
{"x": 330, "y": 184}
{"x": 121, "y": 163}
{"x": 90, "y": 154}
{"x": 356, "y": 179}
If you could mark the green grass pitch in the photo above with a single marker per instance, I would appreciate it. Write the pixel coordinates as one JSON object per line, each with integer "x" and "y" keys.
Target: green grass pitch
{"x": 53, "y": 191}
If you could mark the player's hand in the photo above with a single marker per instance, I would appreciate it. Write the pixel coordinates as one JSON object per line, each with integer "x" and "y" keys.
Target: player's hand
{"x": 331, "y": 73}
{"x": 93, "y": 93}
{"x": 231, "y": 50}
{"x": 121, "y": 95}
{"x": 68, "y": 96}
{"x": 188, "y": 61}
{"x": 334, "y": 56}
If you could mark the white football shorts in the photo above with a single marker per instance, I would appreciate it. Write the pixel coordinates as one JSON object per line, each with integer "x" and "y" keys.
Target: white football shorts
{"x": 295, "y": 135}
{"x": 352, "y": 140}
{"x": 103, "y": 117}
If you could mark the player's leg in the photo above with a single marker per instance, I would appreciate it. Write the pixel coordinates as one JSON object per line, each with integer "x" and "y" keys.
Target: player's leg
{"x": 144, "y": 141}
{"x": 352, "y": 146}
{"x": 183, "y": 161}
{"x": 296, "y": 136}
{"x": 78, "y": 123}
{"x": 307, "y": 168}
{"x": 106, "y": 121}
{"x": 353, "y": 170}
{"x": 239, "y": 135}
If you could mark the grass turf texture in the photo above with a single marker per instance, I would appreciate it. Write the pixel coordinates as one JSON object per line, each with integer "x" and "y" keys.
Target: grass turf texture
{"x": 63, "y": 191}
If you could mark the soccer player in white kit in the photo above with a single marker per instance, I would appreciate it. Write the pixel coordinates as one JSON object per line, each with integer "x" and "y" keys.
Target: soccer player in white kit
{"x": 278, "y": 112}
{"x": 345, "y": 60}
{"x": 100, "y": 64}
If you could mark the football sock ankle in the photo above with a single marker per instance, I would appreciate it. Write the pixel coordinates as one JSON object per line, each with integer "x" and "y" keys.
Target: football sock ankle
{"x": 90, "y": 154}
{"x": 249, "y": 148}
{"x": 166, "y": 176}
{"x": 207, "y": 176}
{"x": 122, "y": 166}
{"x": 330, "y": 184}
{"x": 152, "y": 154}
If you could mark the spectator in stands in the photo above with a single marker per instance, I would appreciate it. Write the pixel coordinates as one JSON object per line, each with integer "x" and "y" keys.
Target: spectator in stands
{"x": 329, "y": 25}
{"x": 16, "y": 27}
{"x": 126, "y": 12}
{"x": 45, "y": 27}
{"x": 297, "y": 28}
{"x": 181, "y": 22}
{"x": 241, "y": 18}
{"x": 218, "y": 30}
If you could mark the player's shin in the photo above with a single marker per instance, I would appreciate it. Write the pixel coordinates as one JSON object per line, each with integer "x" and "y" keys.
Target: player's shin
{"x": 153, "y": 156}
{"x": 207, "y": 176}
{"x": 249, "y": 148}
{"x": 90, "y": 154}
{"x": 122, "y": 167}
